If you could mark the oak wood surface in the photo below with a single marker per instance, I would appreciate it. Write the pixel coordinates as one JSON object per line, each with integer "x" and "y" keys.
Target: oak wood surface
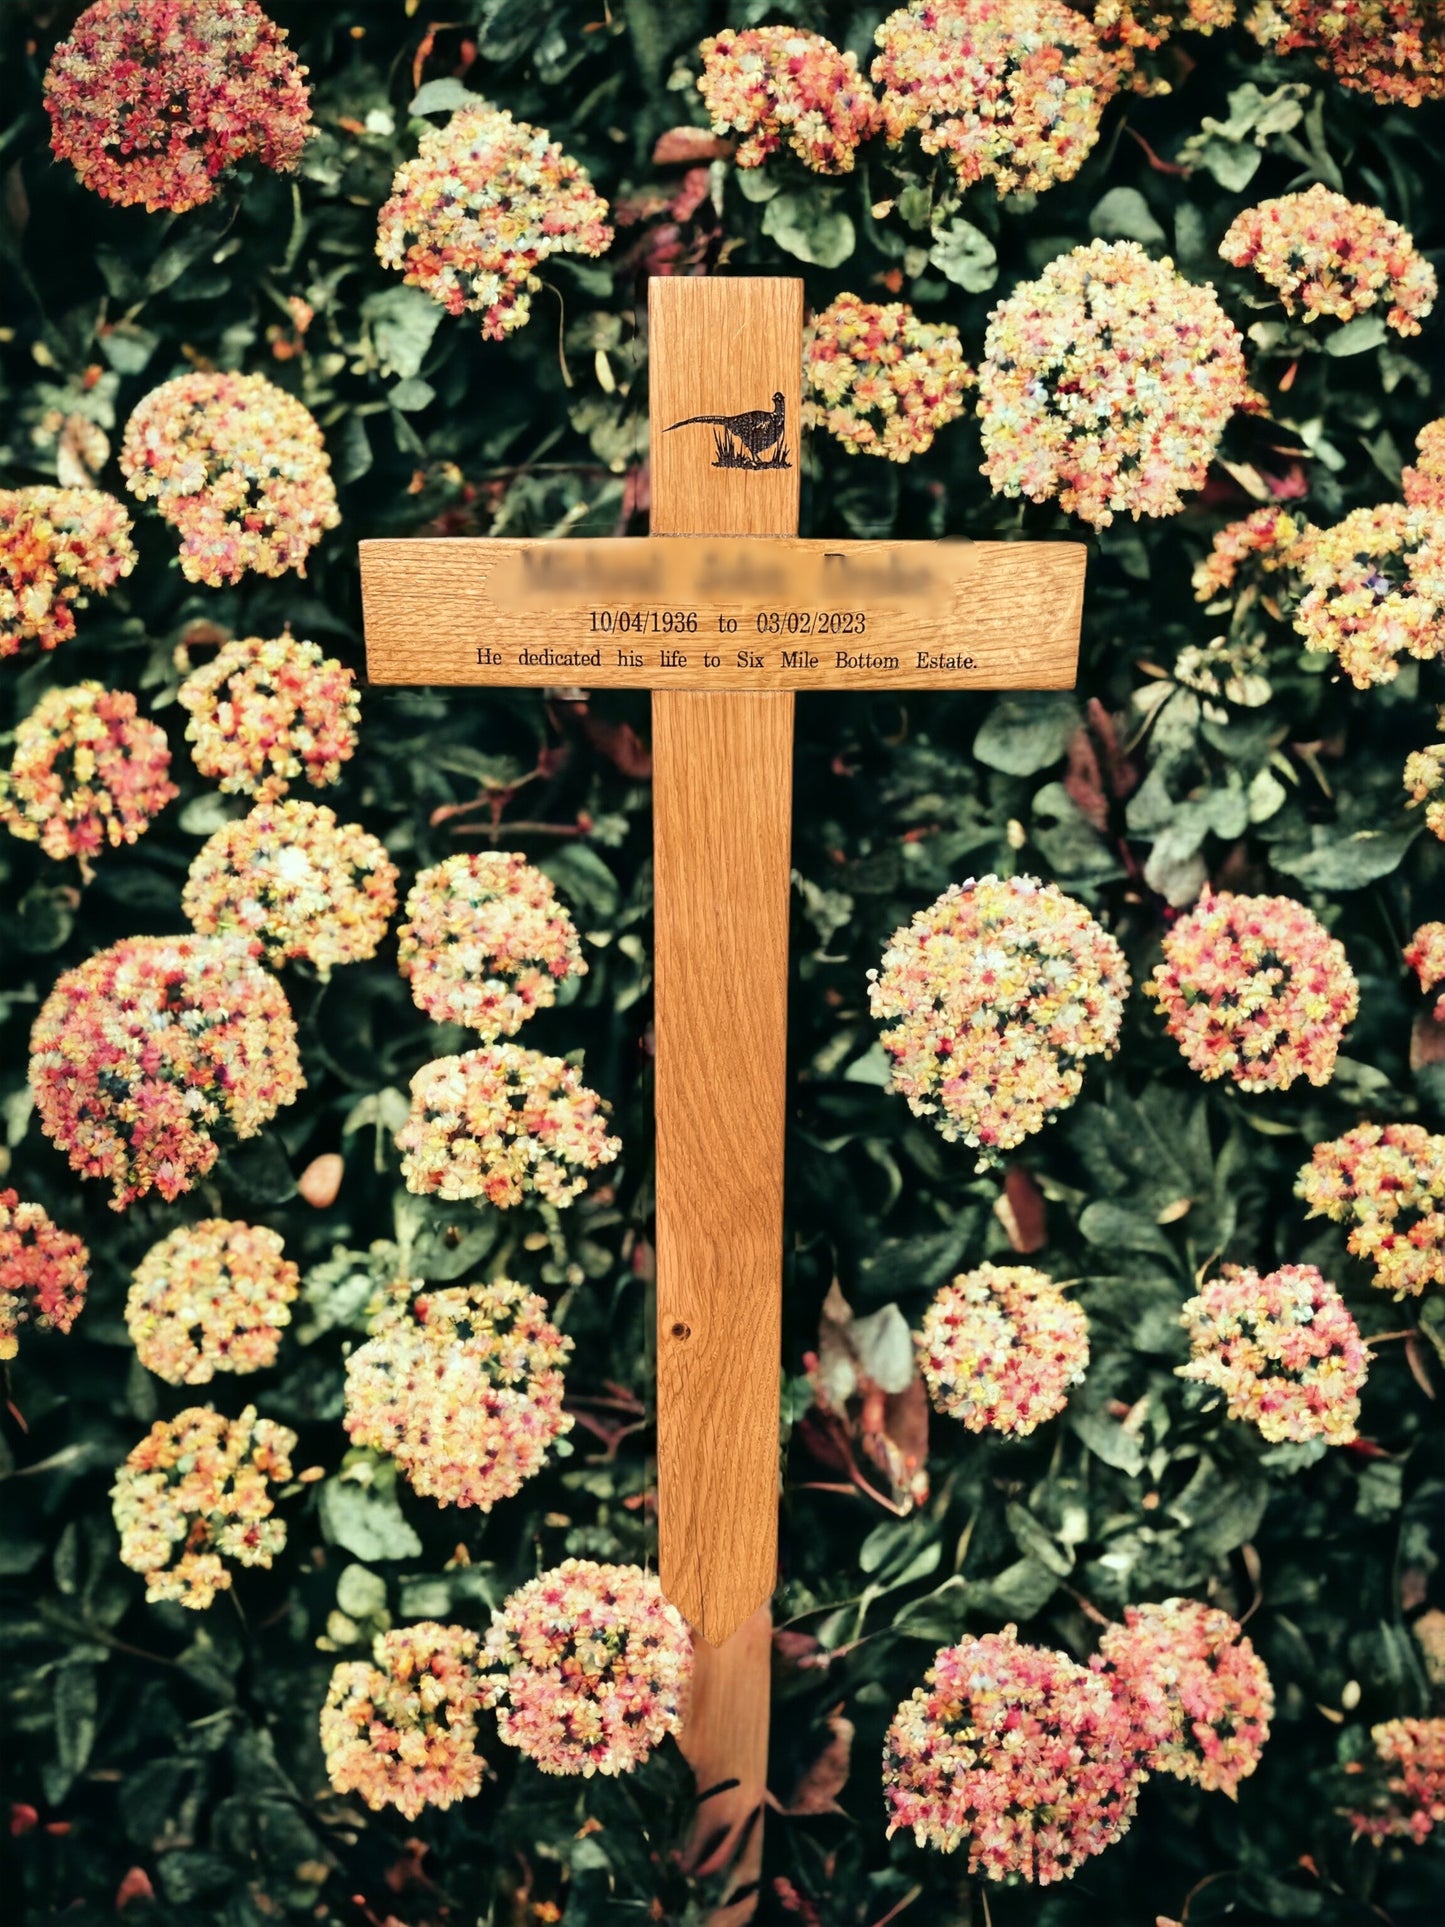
{"x": 809, "y": 614}
{"x": 726, "y": 1738}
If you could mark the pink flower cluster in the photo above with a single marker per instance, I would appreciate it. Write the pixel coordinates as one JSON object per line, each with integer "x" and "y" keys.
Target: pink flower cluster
{"x": 151, "y": 101}
{"x": 43, "y": 1272}
{"x": 486, "y": 943}
{"x": 1131, "y": 28}
{"x": 1016, "y": 1751}
{"x": 1000, "y": 1347}
{"x": 773, "y": 84}
{"x": 211, "y": 1297}
{"x": 403, "y": 1732}
{"x": 1009, "y": 90}
{"x": 880, "y": 380}
{"x": 195, "y": 1493}
{"x": 1374, "y": 590}
{"x": 264, "y": 713}
{"x": 87, "y": 771}
{"x": 298, "y": 882}
{"x": 1266, "y": 536}
{"x": 1194, "y": 1689}
{"x": 1107, "y": 382}
{"x": 1425, "y": 782}
{"x": 463, "y": 1389}
{"x": 1334, "y": 257}
{"x": 238, "y": 466}
{"x": 55, "y": 544}
{"x": 1425, "y": 955}
{"x": 486, "y": 201}
{"x": 501, "y": 1123}
{"x": 1411, "y": 1804}
{"x": 1424, "y": 485}
{"x": 1387, "y": 1183}
{"x": 1282, "y": 1348}
{"x": 589, "y": 1668}
{"x": 142, "y": 1050}
{"x": 1256, "y": 989}
{"x": 996, "y": 994}
{"x": 1389, "y": 48}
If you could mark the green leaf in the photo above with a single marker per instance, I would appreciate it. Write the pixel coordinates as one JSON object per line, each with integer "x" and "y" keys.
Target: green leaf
{"x": 402, "y": 322}
{"x": 1357, "y": 337}
{"x": 810, "y": 226}
{"x": 1107, "y": 1440}
{"x": 1024, "y": 734}
{"x": 444, "y": 96}
{"x": 966, "y": 256}
{"x": 1124, "y": 215}
{"x": 367, "y": 1523}
{"x": 1347, "y": 862}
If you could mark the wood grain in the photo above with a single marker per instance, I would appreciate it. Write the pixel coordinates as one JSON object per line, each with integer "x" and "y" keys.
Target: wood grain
{"x": 726, "y": 1738}
{"x": 808, "y": 614}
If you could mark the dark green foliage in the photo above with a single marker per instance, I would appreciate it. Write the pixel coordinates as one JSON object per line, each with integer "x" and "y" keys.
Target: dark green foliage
{"x": 185, "y": 1744}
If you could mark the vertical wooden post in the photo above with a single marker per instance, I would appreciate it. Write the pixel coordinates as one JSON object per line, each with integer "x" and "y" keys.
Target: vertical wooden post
{"x": 722, "y": 832}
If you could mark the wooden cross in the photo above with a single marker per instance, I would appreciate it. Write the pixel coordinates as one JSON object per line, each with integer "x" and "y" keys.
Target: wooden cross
{"x": 723, "y": 621}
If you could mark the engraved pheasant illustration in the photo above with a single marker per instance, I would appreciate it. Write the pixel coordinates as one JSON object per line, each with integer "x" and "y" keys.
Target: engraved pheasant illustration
{"x": 755, "y": 431}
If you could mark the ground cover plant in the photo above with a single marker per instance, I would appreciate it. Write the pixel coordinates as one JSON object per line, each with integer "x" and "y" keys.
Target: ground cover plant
{"x": 1115, "y": 1296}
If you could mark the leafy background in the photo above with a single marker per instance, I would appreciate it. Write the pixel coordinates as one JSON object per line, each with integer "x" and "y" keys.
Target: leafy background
{"x": 184, "y": 1746}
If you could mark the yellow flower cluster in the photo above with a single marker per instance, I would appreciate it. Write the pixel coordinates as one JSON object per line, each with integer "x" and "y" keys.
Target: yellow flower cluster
{"x": 997, "y": 993}
{"x": 773, "y": 84}
{"x": 1000, "y": 1348}
{"x": 266, "y": 712}
{"x": 880, "y": 380}
{"x": 1266, "y": 537}
{"x": 211, "y": 1297}
{"x": 1334, "y": 257}
{"x": 1389, "y": 48}
{"x": 1107, "y": 382}
{"x": 403, "y": 1733}
{"x": 296, "y": 880}
{"x": 87, "y": 770}
{"x": 196, "y": 1492}
{"x": 1374, "y": 590}
{"x": 43, "y": 1272}
{"x": 1425, "y": 955}
{"x": 55, "y": 544}
{"x": 485, "y": 202}
{"x": 238, "y": 466}
{"x": 1130, "y": 29}
{"x": 486, "y": 943}
{"x": 1424, "y": 485}
{"x": 1425, "y": 782}
{"x": 463, "y": 1390}
{"x": 1387, "y": 1183}
{"x": 1009, "y": 90}
{"x": 501, "y": 1123}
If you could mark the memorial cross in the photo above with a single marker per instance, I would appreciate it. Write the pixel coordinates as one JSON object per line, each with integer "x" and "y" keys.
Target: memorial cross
{"x": 723, "y": 622}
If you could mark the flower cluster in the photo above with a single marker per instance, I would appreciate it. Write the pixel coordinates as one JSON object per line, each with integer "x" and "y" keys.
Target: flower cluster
{"x": 1387, "y": 1183}
{"x": 55, "y": 544}
{"x": 1389, "y": 48}
{"x": 1425, "y": 782}
{"x": 43, "y": 1272}
{"x": 1424, "y": 485}
{"x": 486, "y": 943}
{"x": 1226, "y": 669}
{"x": 403, "y": 1733}
{"x": 778, "y": 83}
{"x": 141, "y": 1050}
{"x": 239, "y": 467}
{"x": 1282, "y": 1348}
{"x": 87, "y": 770}
{"x": 151, "y": 101}
{"x": 502, "y": 1122}
{"x": 1411, "y": 1803}
{"x": 880, "y": 380}
{"x": 1334, "y": 257}
{"x": 1374, "y": 590}
{"x": 1194, "y": 1689}
{"x": 1011, "y": 90}
{"x": 1016, "y": 1750}
{"x": 485, "y": 202}
{"x": 296, "y": 880}
{"x": 997, "y": 993}
{"x": 1256, "y": 989}
{"x": 263, "y": 713}
{"x": 1108, "y": 382}
{"x": 196, "y": 1492}
{"x": 210, "y": 1297}
{"x": 1000, "y": 1348}
{"x": 1131, "y": 28}
{"x": 588, "y": 1667}
{"x": 464, "y": 1391}
{"x": 1266, "y": 536}
{"x": 1425, "y": 955}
